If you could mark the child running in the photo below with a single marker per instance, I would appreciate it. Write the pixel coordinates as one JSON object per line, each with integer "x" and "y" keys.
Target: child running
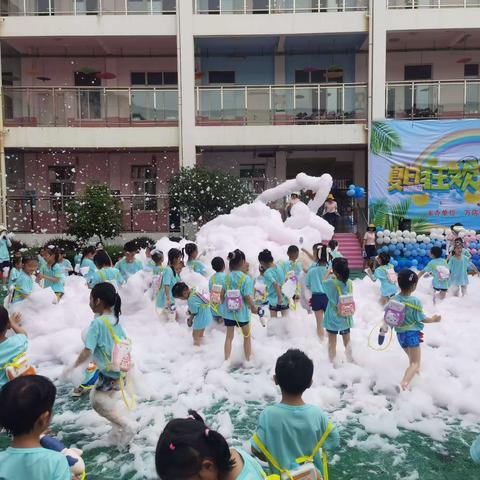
{"x": 314, "y": 282}
{"x": 52, "y": 273}
{"x": 129, "y": 265}
{"x": 438, "y": 268}
{"x": 385, "y": 273}
{"x": 216, "y": 285}
{"x": 409, "y": 333}
{"x": 26, "y": 406}
{"x": 458, "y": 264}
{"x": 199, "y": 309}
{"x": 105, "y": 272}
{"x": 87, "y": 266}
{"x": 165, "y": 300}
{"x": 338, "y": 318}
{"x": 188, "y": 449}
{"x": 192, "y": 263}
{"x": 23, "y": 286}
{"x": 292, "y": 429}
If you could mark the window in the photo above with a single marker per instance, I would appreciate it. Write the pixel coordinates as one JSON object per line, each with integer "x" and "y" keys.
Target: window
{"x": 254, "y": 175}
{"x": 170, "y": 78}
{"x": 144, "y": 179}
{"x": 15, "y": 170}
{"x": 62, "y": 186}
{"x": 215, "y": 76}
{"x": 153, "y": 79}
{"x": 318, "y": 76}
{"x": 418, "y": 72}
{"x": 471, "y": 70}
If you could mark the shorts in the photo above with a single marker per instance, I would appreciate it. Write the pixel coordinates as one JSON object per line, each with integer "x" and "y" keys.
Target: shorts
{"x": 5, "y": 264}
{"x": 319, "y": 302}
{"x": 370, "y": 251}
{"x": 278, "y": 308}
{"x": 410, "y": 339}
{"x": 234, "y": 323}
{"x": 107, "y": 384}
{"x": 441, "y": 289}
{"x": 339, "y": 332}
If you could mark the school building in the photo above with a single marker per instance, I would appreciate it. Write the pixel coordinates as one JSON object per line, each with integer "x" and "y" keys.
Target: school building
{"x": 128, "y": 91}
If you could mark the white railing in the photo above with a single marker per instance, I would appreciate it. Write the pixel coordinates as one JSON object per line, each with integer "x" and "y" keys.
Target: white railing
{"x": 87, "y": 7}
{"x": 89, "y": 106}
{"x": 281, "y": 104}
{"x": 277, "y": 6}
{"x": 411, "y": 4}
{"x": 433, "y": 99}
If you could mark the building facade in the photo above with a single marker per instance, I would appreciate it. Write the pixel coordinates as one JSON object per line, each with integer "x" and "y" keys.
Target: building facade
{"x": 125, "y": 92}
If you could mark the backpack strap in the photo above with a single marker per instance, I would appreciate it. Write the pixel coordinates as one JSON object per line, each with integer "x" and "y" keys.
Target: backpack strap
{"x": 110, "y": 329}
{"x": 102, "y": 275}
{"x": 15, "y": 362}
{"x": 414, "y": 307}
{"x": 348, "y": 284}
{"x": 268, "y": 455}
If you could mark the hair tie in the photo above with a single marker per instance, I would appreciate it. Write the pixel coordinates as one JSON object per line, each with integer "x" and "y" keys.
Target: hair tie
{"x": 207, "y": 431}
{"x": 172, "y": 447}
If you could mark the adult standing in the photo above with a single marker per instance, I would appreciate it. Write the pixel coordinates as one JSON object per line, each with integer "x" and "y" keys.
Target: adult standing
{"x": 330, "y": 211}
{"x": 369, "y": 244}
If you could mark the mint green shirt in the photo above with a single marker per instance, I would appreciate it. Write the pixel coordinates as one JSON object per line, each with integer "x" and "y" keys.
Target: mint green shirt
{"x": 56, "y": 272}
{"x": 274, "y": 275}
{"x": 197, "y": 266}
{"x": 11, "y": 348}
{"x": 387, "y": 288}
{"x": 169, "y": 279}
{"x": 414, "y": 315}
{"x": 432, "y": 267}
{"x": 14, "y": 274}
{"x": 332, "y": 320}
{"x": 107, "y": 274}
{"x": 23, "y": 286}
{"x": 128, "y": 269}
{"x": 237, "y": 280}
{"x": 5, "y": 243}
{"x": 475, "y": 450}
{"x": 33, "y": 464}
{"x": 251, "y": 469}
{"x": 314, "y": 278}
{"x": 217, "y": 278}
{"x": 86, "y": 262}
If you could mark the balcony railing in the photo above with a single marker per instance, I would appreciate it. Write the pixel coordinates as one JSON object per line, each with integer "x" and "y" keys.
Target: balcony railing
{"x": 433, "y": 99}
{"x": 411, "y": 4}
{"x": 87, "y": 7}
{"x": 213, "y": 7}
{"x": 282, "y": 105}
{"x": 89, "y": 106}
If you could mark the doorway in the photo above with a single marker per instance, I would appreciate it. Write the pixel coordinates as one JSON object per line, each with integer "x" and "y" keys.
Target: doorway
{"x": 89, "y": 103}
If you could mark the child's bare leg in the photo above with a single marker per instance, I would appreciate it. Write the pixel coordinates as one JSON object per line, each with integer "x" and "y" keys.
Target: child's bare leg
{"x": 319, "y": 317}
{"x": 197, "y": 337}
{"x": 464, "y": 290}
{"x": 285, "y": 313}
{"x": 332, "y": 346}
{"x": 442, "y": 295}
{"x": 228, "y": 342}
{"x": 247, "y": 342}
{"x": 456, "y": 291}
{"x": 414, "y": 357}
{"x": 273, "y": 314}
{"x": 348, "y": 347}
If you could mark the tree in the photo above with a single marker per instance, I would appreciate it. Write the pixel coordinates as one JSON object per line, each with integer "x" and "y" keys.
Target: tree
{"x": 200, "y": 195}
{"x": 97, "y": 213}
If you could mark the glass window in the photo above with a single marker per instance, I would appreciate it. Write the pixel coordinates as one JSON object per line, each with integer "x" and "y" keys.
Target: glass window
{"x": 138, "y": 78}
{"x": 301, "y": 76}
{"x": 471, "y": 70}
{"x": 62, "y": 185}
{"x": 144, "y": 188}
{"x": 221, "y": 76}
{"x": 418, "y": 72}
{"x": 170, "y": 78}
{"x": 154, "y": 78}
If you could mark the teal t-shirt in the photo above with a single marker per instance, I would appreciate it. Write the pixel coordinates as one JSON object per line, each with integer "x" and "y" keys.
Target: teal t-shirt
{"x": 170, "y": 279}
{"x": 128, "y": 269}
{"x": 87, "y": 263}
{"x": 237, "y": 280}
{"x": 11, "y": 348}
{"x": 201, "y": 311}
{"x": 475, "y": 450}
{"x": 23, "y": 286}
{"x": 432, "y": 267}
{"x": 107, "y": 274}
{"x": 274, "y": 275}
{"x": 414, "y": 315}
{"x": 289, "y": 432}
{"x": 251, "y": 469}
{"x": 197, "y": 266}
{"x": 5, "y": 243}
{"x": 218, "y": 279}
{"x": 459, "y": 270}
{"x": 56, "y": 272}
{"x": 14, "y": 274}
{"x": 332, "y": 320}
{"x": 100, "y": 342}
{"x": 314, "y": 278}
{"x": 77, "y": 258}
{"x": 290, "y": 266}
{"x": 149, "y": 265}
{"x": 33, "y": 464}
{"x": 387, "y": 288}
{"x": 66, "y": 266}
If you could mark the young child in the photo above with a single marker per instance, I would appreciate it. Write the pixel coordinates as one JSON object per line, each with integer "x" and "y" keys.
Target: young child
{"x": 192, "y": 263}
{"x": 12, "y": 347}
{"x": 385, "y": 273}
{"x": 104, "y": 331}
{"x": 292, "y": 429}
{"x": 105, "y": 272}
{"x": 188, "y": 449}
{"x": 77, "y": 259}
{"x": 23, "y": 285}
{"x": 26, "y": 405}
{"x": 149, "y": 263}
{"x": 218, "y": 279}
{"x": 15, "y": 271}
{"x": 336, "y": 284}
{"x": 171, "y": 275}
{"x": 274, "y": 278}
{"x": 67, "y": 268}
{"x": 237, "y": 310}
{"x": 5, "y": 244}
{"x": 293, "y": 268}
{"x": 458, "y": 264}
{"x": 199, "y": 309}
{"x": 314, "y": 282}
{"x": 438, "y": 268}
{"x": 87, "y": 266}
{"x": 333, "y": 250}
{"x": 129, "y": 265}
{"x": 52, "y": 272}
{"x": 410, "y": 333}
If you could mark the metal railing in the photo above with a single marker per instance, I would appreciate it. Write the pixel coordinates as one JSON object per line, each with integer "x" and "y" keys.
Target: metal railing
{"x": 87, "y": 7}
{"x": 281, "y": 104}
{"x": 215, "y": 7}
{"x": 433, "y": 99}
{"x": 46, "y": 214}
{"x": 412, "y": 4}
{"x": 89, "y": 106}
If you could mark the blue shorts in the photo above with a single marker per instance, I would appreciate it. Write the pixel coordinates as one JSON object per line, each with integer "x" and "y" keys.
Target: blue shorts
{"x": 319, "y": 302}
{"x": 339, "y": 332}
{"x": 411, "y": 339}
{"x": 234, "y": 323}
{"x": 278, "y": 308}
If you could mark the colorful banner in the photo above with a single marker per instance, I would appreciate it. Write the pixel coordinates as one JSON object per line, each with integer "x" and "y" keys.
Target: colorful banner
{"x": 425, "y": 170}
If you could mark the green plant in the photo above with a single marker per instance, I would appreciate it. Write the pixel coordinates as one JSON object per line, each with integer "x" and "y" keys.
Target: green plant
{"x": 383, "y": 139}
{"x": 63, "y": 243}
{"x": 142, "y": 242}
{"x": 98, "y": 213}
{"x": 114, "y": 252}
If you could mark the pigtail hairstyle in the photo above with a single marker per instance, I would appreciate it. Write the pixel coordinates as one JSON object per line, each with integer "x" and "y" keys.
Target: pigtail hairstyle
{"x": 322, "y": 253}
{"x": 340, "y": 269}
{"x": 235, "y": 259}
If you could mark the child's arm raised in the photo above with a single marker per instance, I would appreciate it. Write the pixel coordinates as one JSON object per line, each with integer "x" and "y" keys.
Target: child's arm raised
{"x": 308, "y": 254}
{"x": 15, "y": 319}
{"x": 328, "y": 275}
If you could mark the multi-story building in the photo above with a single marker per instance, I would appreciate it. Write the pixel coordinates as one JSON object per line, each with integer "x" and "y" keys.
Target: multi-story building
{"x": 127, "y": 91}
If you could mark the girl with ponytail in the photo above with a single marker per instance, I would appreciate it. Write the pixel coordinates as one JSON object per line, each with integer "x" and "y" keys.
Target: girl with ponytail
{"x": 188, "y": 449}
{"x": 51, "y": 272}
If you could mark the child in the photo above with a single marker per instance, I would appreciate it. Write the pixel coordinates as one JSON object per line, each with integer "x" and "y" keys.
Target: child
{"x": 438, "y": 268}
{"x": 369, "y": 244}
{"x": 218, "y": 279}
{"x": 26, "y": 405}
{"x": 157, "y": 269}
{"x": 23, "y": 285}
{"x": 188, "y": 449}
{"x": 149, "y": 263}
{"x": 274, "y": 279}
{"x": 385, "y": 273}
{"x": 98, "y": 246}
{"x": 198, "y": 308}
{"x": 5, "y": 244}
{"x": 15, "y": 271}
{"x": 87, "y": 267}
{"x": 67, "y": 268}
{"x": 171, "y": 276}
{"x": 333, "y": 251}
{"x": 192, "y": 263}
{"x": 314, "y": 282}
{"x": 238, "y": 303}
{"x": 105, "y": 272}
{"x": 12, "y": 347}
{"x": 458, "y": 266}
{"x": 334, "y": 322}
{"x": 102, "y": 335}
{"x": 52, "y": 272}
{"x": 77, "y": 259}
{"x": 410, "y": 333}
{"x": 41, "y": 258}
{"x": 129, "y": 265}
{"x": 293, "y": 268}
{"x": 292, "y": 429}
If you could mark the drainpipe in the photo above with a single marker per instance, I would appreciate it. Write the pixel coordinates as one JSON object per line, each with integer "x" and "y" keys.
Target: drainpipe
{"x": 3, "y": 173}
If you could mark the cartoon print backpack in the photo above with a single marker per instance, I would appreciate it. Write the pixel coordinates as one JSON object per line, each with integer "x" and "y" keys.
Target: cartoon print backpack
{"x": 392, "y": 276}
{"x": 18, "y": 367}
{"x": 289, "y": 288}
{"x": 346, "y": 303}
{"x": 216, "y": 293}
{"x": 396, "y": 313}
{"x": 121, "y": 360}
{"x": 233, "y": 298}
{"x": 443, "y": 273}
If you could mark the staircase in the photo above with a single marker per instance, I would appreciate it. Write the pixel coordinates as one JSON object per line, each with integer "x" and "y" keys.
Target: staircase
{"x": 351, "y": 249}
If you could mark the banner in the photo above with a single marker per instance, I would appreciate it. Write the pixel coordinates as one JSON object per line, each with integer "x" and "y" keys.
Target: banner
{"x": 426, "y": 171}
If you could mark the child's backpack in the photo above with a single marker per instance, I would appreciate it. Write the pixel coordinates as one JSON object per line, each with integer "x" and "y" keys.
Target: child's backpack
{"x": 289, "y": 288}
{"x": 18, "y": 367}
{"x": 259, "y": 293}
{"x": 216, "y": 293}
{"x": 392, "y": 276}
{"x": 233, "y": 298}
{"x": 121, "y": 360}
{"x": 346, "y": 303}
{"x": 443, "y": 273}
{"x": 396, "y": 313}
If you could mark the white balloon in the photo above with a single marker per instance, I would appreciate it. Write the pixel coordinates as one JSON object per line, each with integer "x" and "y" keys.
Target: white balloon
{"x": 380, "y": 240}
{"x": 394, "y": 241}
{"x": 386, "y": 240}
{"x": 380, "y": 234}
{"x": 387, "y": 233}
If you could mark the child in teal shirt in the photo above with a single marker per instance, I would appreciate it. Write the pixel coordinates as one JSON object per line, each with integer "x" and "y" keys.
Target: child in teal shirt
{"x": 171, "y": 276}
{"x": 385, "y": 273}
{"x": 105, "y": 272}
{"x": 192, "y": 263}
{"x": 129, "y": 265}
{"x": 475, "y": 450}
{"x": 23, "y": 286}
{"x": 438, "y": 268}
{"x": 26, "y": 405}
{"x": 292, "y": 429}
{"x": 15, "y": 271}
{"x": 458, "y": 265}
{"x": 52, "y": 273}
{"x": 218, "y": 279}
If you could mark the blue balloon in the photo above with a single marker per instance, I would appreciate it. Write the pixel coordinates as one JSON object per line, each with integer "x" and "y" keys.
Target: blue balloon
{"x": 350, "y": 193}
{"x": 415, "y": 252}
{"x": 351, "y": 187}
{"x": 415, "y": 262}
{"x": 397, "y": 253}
{"x": 408, "y": 253}
{"x": 394, "y": 263}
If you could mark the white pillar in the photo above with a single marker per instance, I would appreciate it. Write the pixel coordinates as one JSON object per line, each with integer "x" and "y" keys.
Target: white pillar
{"x": 378, "y": 58}
{"x": 186, "y": 84}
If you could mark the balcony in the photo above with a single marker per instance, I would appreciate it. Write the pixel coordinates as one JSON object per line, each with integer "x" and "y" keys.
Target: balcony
{"x": 281, "y": 105}
{"x": 216, "y": 7}
{"x": 414, "y": 4}
{"x": 433, "y": 99}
